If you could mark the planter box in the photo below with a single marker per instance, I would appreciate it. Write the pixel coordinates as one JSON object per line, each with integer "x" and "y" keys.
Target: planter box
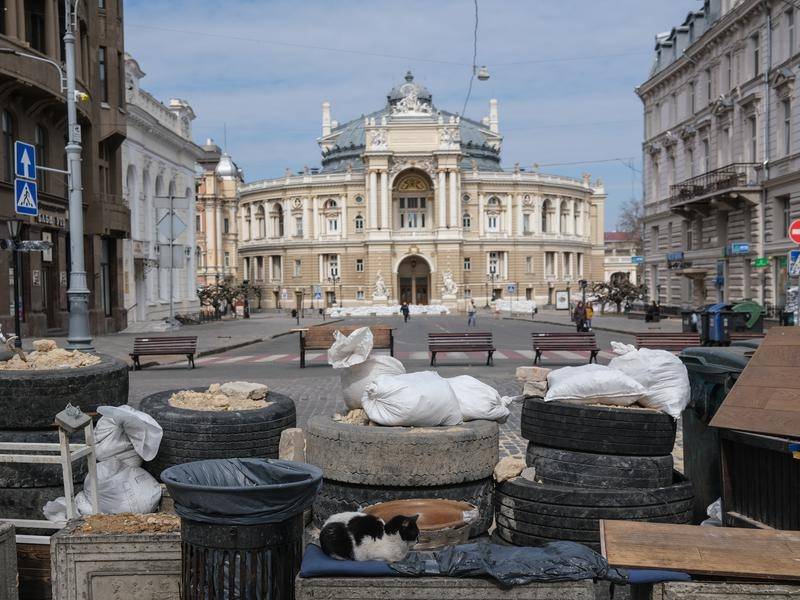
{"x": 434, "y": 588}
{"x": 97, "y": 566}
{"x": 724, "y": 591}
{"x": 8, "y": 562}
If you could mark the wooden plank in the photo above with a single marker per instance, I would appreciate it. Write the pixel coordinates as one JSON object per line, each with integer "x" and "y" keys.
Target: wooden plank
{"x": 762, "y": 554}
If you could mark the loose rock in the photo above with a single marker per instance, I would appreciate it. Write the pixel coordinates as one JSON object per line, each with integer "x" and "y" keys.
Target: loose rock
{"x": 56, "y": 358}
{"x": 44, "y": 345}
{"x": 216, "y": 398}
{"x": 532, "y": 374}
{"x": 244, "y": 390}
{"x": 508, "y": 468}
{"x": 357, "y": 416}
{"x": 534, "y": 388}
{"x": 529, "y": 473}
{"x": 292, "y": 445}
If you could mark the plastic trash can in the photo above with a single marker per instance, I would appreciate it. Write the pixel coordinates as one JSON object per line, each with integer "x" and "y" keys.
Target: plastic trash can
{"x": 718, "y": 323}
{"x": 752, "y": 318}
{"x": 241, "y": 525}
{"x": 712, "y": 373}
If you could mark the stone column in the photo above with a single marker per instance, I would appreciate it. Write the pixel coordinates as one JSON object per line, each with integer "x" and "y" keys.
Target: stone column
{"x": 220, "y": 247}
{"x": 21, "y": 21}
{"x": 579, "y": 221}
{"x": 557, "y": 216}
{"x": 509, "y": 215}
{"x": 480, "y": 215}
{"x": 343, "y": 224}
{"x": 518, "y": 215}
{"x": 52, "y": 43}
{"x": 306, "y": 220}
{"x": 537, "y": 216}
{"x": 11, "y": 19}
{"x": 441, "y": 206}
{"x": 454, "y": 212}
{"x": 373, "y": 200}
{"x": 384, "y": 200}
{"x": 315, "y": 217}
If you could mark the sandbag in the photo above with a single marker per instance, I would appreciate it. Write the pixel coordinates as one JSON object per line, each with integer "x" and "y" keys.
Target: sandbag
{"x": 663, "y": 375}
{"x": 592, "y": 384}
{"x": 421, "y": 399}
{"x": 349, "y": 350}
{"x": 126, "y": 434}
{"x": 355, "y": 379}
{"x": 479, "y": 401}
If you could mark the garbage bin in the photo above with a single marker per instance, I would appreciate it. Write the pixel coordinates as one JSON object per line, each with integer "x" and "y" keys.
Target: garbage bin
{"x": 718, "y": 323}
{"x": 752, "y": 316}
{"x": 712, "y": 373}
{"x": 688, "y": 321}
{"x": 241, "y": 525}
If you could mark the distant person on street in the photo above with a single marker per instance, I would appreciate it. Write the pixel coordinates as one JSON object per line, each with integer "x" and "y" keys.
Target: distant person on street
{"x": 579, "y": 316}
{"x": 653, "y": 313}
{"x": 589, "y": 315}
{"x": 406, "y": 311}
{"x": 472, "y": 320}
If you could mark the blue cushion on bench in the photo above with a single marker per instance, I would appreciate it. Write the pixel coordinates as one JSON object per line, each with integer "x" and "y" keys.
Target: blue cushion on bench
{"x": 318, "y": 564}
{"x": 642, "y": 576}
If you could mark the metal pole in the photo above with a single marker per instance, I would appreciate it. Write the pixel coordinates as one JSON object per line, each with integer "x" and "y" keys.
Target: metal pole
{"x": 17, "y": 295}
{"x": 171, "y": 258}
{"x": 78, "y": 294}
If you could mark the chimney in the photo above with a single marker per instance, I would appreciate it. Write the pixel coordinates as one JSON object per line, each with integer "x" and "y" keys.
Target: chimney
{"x": 493, "y": 123}
{"x": 326, "y": 118}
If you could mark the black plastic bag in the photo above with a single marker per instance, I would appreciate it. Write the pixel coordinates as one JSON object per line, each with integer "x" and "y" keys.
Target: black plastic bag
{"x": 510, "y": 566}
{"x": 242, "y": 491}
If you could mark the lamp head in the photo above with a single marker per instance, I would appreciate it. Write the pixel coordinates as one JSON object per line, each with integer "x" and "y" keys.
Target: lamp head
{"x": 14, "y": 227}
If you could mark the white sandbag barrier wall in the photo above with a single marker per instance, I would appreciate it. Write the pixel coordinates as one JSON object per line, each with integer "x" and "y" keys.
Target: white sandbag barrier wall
{"x": 386, "y": 311}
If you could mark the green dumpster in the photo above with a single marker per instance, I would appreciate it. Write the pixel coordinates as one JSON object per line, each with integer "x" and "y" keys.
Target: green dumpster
{"x": 712, "y": 373}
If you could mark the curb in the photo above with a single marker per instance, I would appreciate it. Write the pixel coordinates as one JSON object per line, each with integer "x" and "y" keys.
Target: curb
{"x": 594, "y": 327}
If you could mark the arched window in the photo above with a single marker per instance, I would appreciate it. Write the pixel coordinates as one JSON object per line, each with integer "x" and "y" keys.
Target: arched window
{"x": 7, "y": 123}
{"x": 40, "y": 142}
{"x": 330, "y": 204}
{"x": 359, "y": 223}
{"x": 494, "y": 201}
{"x": 466, "y": 221}
{"x": 247, "y": 234}
{"x": 493, "y": 215}
{"x": 545, "y": 210}
{"x": 261, "y": 226}
{"x": 277, "y": 220}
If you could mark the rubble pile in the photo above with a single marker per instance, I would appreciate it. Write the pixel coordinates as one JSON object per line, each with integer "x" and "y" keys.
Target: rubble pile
{"x": 129, "y": 523}
{"x": 46, "y": 356}
{"x": 235, "y": 395}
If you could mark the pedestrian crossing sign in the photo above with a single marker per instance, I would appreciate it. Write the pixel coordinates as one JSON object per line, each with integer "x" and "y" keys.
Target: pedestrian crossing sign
{"x": 26, "y": 197}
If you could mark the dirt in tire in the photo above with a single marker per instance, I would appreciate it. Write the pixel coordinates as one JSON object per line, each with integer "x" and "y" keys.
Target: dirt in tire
{"x": 403, "y": 456}
{"x": 191, "y": 435}
{"x": 335, "y": 497}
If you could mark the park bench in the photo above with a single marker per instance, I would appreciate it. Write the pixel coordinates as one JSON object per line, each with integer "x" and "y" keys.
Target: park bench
{"x": 662, "y": 340}
{"x": 461, "y": 342}
{"x": 570, "y": 342}
{"x": 164, "y": 346}
{"x": 320, "y": 337}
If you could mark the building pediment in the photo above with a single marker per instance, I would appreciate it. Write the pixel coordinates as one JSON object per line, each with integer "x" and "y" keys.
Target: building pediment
{"x": 687, "y": 132}
{"x": 722, "y": 106}
{"x": 653, "y": 149}
{"x": 669, "y": 139}
{"x": 782, "y": 81}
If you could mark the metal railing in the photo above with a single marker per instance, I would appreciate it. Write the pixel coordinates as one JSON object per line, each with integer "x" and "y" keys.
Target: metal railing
{"x": 734, "y": 175}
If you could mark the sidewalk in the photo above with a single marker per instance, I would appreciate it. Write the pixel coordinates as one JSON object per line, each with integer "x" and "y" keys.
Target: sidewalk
{"x": 608, "y": 322}
{"x": 212, "y": 338}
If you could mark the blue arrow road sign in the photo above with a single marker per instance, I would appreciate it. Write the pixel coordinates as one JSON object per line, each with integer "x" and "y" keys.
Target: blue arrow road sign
{"x": 26, "y": 197}
{"x": 24, "y": 160}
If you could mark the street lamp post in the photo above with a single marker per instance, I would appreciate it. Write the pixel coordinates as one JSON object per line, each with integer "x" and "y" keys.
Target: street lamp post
{"x": 333, "y": 280}
{"x": 14, "y": 226}
{"x": 490, "y": 277}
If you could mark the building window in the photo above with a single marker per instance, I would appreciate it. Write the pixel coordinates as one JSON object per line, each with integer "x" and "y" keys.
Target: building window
{"x": 549, "y": 263}
{"x": 34, "y": 24}
{"x": 359, "y": 223}
{"x": 687, "y": 235}
{"x": 330, "y": 265}
{"x": 359, "y": 294}
{"x": 709, "y": 86}
{"x": 493, "y": 264}
{"x": 656, "y": 182}
{"x": 8, "y": 145}
{"x": 729, "y": 71}
{"x": 752, "y": 126}
{"x": 226, "y": 225}
{"x": 246, "y": 268}
{"x": 275, "y": 267}
{"x": 467, "y": 263}
{"x": 706, "y": 156}
{"x": 690, "y": 162}
{"x": 567, "y": 264}
{"x": 691, "y": 98}
{"x": 526, "y": 223}
{"x": 298, "y": 267}
{"x": 785, "y": 216}
{"x": 466, "y": 221}
{"x": 787, "y": 127}
{"x": 259, "y": 268}
{"x": 654, "y": 234}
{"x": 790, "y": 43}
{"x": 101, "y": 4}
{"x": 529, "y": 264}
{"x": 669, "y": 235}
{"x": 493, "y": 223}
{"x": 298, "y": 226}
{"x": 40, "y": 142}
{"x": 412, "y": 213}
{"x": 579, "y": 256}
{"x": 359, "y": 265}
{"x": 277, "y": 220}
{"x": 102, "y": 71}
{"x": 197, "y": 223}
{"x": 226, "y": 261}
{"x": 755, "y": 43}
{"x": 333, "y": 225}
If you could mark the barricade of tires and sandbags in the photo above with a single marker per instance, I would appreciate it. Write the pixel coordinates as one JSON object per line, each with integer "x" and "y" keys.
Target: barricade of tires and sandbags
{"x": 600, "y": 444}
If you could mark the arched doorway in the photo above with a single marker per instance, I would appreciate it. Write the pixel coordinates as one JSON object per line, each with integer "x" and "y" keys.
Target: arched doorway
{"x": 414, "y": 280}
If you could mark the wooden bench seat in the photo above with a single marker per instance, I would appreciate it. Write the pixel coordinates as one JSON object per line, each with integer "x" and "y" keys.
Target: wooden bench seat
{"x": 663, "y": 340}
{"x": 164, "y": 346}
{"x": 570, "y": 342}
{"x": 320, "y": 337}
{"x": 461, "y": 342}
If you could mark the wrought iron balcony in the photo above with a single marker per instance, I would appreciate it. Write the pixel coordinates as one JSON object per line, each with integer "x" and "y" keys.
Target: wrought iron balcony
{"x": 736, "y": 181}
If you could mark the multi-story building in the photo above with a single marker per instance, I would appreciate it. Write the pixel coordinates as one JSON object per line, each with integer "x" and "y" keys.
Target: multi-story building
{"x": 622, "y": 251}
{"x": 411, "y": 204}
{"x": 216, "y": 223}
{"x": 33, "y": 109}
{"x": 158, "y": 159}
{"x": 722, "y": 154}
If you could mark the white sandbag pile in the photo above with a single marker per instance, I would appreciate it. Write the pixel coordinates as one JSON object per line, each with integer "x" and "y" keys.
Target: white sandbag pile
{"x": 592, "y": 384}
{"x": 386, "y": 311}
{"x": 479, "y": 401}
{"x": 421, "y": 399}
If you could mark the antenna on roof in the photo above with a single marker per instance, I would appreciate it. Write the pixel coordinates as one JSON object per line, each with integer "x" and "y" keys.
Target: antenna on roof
{"x": 225, "y": 136}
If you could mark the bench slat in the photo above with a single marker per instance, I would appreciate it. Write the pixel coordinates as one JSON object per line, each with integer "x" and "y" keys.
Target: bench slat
{"x": 164, "y": 346}
{"x": 560, "y": 341}
{"x": 470, "y": 341}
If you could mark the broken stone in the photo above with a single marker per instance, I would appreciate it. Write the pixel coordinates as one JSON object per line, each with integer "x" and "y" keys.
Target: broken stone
{"x": 508, "y": 468}
{"x": 244, "y": 390}
{"x": 532, "y": 374}
{"x": 357, "y": 416}
{"x": 214, "y": 388}
{"x": 534, "y": 388}
{"x": 529, "y": 473}
{"x": 292, "y": 445}
{"x": 44, "y": 345}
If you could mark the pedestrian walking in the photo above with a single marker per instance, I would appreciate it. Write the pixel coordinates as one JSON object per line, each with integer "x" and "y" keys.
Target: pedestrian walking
{"x": 579, "y": 316}
{"x": 589, "y": 315}
{"x": 406, "y": 311}
{"x": 472, "y": 320}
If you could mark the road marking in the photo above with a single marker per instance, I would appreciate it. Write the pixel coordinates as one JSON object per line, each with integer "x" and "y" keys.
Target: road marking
{"x": 526, "y": 353}
{"x": 419, "y": 355}
{"x": 270, "y": 358}
{"x": 498, "y": 354}
{"x": 235, "y": 359}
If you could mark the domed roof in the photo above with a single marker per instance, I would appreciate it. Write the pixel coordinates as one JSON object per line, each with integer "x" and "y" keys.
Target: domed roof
{"x": 226, "y": 167}
{"x": 401, "y": 91}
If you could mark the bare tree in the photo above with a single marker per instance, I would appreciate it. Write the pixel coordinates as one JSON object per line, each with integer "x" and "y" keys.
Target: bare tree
{"x": 631, "y": 217}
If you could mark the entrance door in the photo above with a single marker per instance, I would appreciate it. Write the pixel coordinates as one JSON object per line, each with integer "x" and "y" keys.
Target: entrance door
{"x": 422, "y": 290}
{"x": 50, "y": 295}
{"x": 140, "y": 289}
{"x": 414, "y": 280}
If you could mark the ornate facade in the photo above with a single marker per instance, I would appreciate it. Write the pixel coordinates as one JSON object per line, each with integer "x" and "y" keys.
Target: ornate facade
{"x": 411, "y": 204}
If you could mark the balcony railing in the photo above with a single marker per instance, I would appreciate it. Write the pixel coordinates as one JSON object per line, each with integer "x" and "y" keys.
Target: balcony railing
{"x": 718, "y": 181}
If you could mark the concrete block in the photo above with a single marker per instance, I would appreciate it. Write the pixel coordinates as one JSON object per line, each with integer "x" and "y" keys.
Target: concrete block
{"x": 712, "y": 590}
{"x": 534, "y": 388}
{"x": 97, "y": 566}
{"x": 8, "y": 562}
{"x": 434, "y": 588}
{"x": 532, "y": 373}
{"x": 292, "y": 445}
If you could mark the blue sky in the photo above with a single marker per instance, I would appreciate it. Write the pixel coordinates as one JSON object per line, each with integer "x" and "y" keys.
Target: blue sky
{"x": 563, "y": 71}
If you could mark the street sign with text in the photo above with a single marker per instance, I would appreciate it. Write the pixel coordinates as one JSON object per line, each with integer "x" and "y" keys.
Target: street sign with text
{"x": 637, "y": 260}
{"x": 794, "y": 231}
{"x": 761, "y": 262}
{"x": 24, "y": 160}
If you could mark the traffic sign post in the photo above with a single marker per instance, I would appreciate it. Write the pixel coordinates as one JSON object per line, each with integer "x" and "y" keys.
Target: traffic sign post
{"x": 24, "y": 160}
{"x": 26, "y": 197}
{"x": 170, "y": 227}
{"x": 794, "y": 231}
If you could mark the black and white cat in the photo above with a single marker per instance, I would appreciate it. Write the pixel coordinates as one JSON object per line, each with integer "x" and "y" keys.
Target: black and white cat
{"x": 359, "y": 536}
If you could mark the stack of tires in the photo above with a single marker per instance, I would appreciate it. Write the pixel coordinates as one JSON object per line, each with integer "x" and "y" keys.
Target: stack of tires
{"x": 191, "y": 435}
{"x": 591, "y": 463}
{"x": 363, "y": 465}
{"x": 30, "y": 402}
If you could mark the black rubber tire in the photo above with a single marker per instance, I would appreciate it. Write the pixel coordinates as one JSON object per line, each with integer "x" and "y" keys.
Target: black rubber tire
{"x": 27, "y": 503}
{"x": 577, "y": 523}
{"x": 598, "y": 429}
{"x": 191, "y": 435}
{"x": 403, "y": 456}
{"x": 583, "y": 469}
{"x": 31, "y": 399}
{"x": 335, "y": 497}
{"x": 33, "y": 475}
